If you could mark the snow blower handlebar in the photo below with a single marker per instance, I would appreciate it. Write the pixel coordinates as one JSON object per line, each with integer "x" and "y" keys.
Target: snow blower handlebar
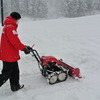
{"x": 35, "y": 54}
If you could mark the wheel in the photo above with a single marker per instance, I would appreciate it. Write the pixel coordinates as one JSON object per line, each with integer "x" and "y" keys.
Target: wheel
{"x": 62, "y": 76}
{"x": 53, "y": 79}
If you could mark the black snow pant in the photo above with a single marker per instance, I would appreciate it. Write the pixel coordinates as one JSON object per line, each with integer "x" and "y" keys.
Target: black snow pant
{"x": 10, "y": 71}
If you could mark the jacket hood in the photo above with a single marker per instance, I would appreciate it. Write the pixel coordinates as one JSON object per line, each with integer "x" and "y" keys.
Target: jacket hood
{"x": 10, "y": 21}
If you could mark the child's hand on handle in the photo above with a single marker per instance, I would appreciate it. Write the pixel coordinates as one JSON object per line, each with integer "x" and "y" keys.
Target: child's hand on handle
{"x": 28, "y": 49}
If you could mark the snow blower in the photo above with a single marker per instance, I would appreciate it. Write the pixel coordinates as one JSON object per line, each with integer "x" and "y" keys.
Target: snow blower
{"x": 53, "y": 69}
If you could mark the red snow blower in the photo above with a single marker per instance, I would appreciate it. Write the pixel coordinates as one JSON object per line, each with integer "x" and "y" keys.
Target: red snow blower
{"x": 53, "y": 69}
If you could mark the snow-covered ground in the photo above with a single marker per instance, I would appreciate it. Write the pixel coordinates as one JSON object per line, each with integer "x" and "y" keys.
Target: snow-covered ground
{"x": 76, "y": 41}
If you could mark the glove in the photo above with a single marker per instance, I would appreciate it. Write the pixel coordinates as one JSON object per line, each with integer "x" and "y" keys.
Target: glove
{"x": 26, "y": 50}
{"x": 30, "y": 48}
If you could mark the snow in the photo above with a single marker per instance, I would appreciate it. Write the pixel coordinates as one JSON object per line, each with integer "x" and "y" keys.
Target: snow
{"x": 76, "y": 41}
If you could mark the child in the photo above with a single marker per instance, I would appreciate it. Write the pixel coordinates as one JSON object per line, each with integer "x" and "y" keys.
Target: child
{"x": 9, "y": 51}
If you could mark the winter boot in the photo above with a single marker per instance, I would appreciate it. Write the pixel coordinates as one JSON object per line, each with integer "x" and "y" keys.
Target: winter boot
{"x": 16, "y": 88}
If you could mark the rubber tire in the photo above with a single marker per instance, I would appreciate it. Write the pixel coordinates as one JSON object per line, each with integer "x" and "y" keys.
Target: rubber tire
{"x": 53, "y": 79}
{"x": 62, "y": 74}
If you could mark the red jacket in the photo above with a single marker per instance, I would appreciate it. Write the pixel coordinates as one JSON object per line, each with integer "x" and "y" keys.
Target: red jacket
{"x": 10, "y": 43}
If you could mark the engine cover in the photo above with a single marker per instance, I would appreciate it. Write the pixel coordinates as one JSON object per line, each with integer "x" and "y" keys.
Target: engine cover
{"x": 47, "y": 59}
